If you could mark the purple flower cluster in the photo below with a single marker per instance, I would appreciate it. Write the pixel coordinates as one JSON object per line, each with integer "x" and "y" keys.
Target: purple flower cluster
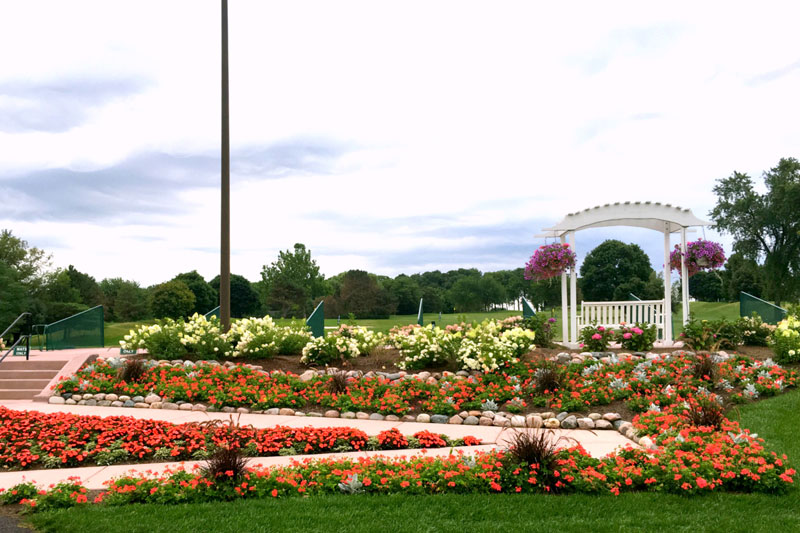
{"x": 700, "y": 255}
{"x": 549, "y": 261}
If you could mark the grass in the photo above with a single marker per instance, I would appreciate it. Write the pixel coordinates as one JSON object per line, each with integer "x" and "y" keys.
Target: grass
{"x": 774, "y": 419}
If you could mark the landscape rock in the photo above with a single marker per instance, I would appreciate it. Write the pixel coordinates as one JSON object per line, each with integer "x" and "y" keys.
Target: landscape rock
{"x": 242, "y": 410}
{"x": 485, "y": 421}
{"x": 331, "y": 413}
{"x": 471, "y": 421}
{"x": 571, "y": 422}
{"x": 552, "y": 423}
{"x": 534, "y": 421}
{"x": 361, "y": 415}
{"x": 602, "y": 424}
{"x": 167, "y": 405}
{"x": 585, "y": 423}
{"x": 58, "y": 400}
{"x": 376, "y": 416}
{"x": 115, "y": 403}
{"x": 137, "y": 399}
{"x": 286, "y": 411}
{"x": 562, "y": 415}
{"x": 392, "y": 418}
{"x": 439, "y": 419}
{"x": 308, "y": 375}
{"x": 349, "y": 415}
{"x": 612, "y": 416}
{"x": 423, "y": 418}
{"x": 185, "y": 407}
{"x": 112, "y": 397}
{"x": 500, "y": 421}
{"x": 128, "y": 403}
{"x": 152, "y": 398}
{"x": 518, "y": 421}
{"x": 595, "y": 416}
{"x": 156, "y": 405}
{"x": 455, "y": 419}
{"x": 104, "y": 403}
{"x": 199, "y": 407}
{"x": 141, "y": 405}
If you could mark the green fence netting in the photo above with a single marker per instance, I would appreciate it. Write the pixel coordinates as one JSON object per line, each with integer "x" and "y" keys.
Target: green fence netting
{"x": 769, "y": 313}
{"x": 213, "y": 312}
{"x": 84, "y": 330}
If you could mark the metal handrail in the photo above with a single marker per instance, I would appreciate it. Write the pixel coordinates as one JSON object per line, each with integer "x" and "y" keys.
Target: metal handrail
{"x": 13, "y": 324}
{"x": 27, "y": 353}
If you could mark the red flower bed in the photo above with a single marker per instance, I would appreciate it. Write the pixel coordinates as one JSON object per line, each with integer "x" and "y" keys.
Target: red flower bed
{"x": 30, "y": 439}
{"x": 690, "y": 459}
{"x": 591, "y": 383}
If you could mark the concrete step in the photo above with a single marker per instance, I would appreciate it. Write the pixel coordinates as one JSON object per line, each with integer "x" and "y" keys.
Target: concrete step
{"x": 32, "y": 365}
{"x": 19, "y": 394}
{"x": 27, "y": 374}
{"x": 16, "y": 384}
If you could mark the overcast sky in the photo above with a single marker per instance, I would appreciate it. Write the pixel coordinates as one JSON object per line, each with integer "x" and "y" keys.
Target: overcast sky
{"x": 391, "y": 137}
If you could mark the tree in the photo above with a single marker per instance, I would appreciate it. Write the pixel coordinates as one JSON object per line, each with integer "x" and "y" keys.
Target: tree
{"x": 123, "y": 300}
{"x": 13, "y": 296}
{"x": 245, "y": 301}
{"x": 361, "y": 295}
{"x": 406, "y": 293}
{"x": 172, "y": 299}
{"x": 741, "y": 275}
{"x": 205, "y": 297}
{"x": 611, "y": 265}
{"x": 30, "y": 264}
{"x": 292, "y": 283}
{"x": 89, "y": 292}
{"x": 765, "y": 226}
{"x": 706, "y": 287}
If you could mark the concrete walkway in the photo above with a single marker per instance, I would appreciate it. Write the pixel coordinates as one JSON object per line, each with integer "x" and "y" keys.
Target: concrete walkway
{"x": 597, "y": 443}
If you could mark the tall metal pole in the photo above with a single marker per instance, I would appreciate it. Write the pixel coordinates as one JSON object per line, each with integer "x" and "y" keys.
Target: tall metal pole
{"x": 225, "y": 224}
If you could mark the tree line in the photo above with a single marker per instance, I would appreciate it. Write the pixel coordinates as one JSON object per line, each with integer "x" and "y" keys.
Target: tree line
{"x": 765, "y": 263}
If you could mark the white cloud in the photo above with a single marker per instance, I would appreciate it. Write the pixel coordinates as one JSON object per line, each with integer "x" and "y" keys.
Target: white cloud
{"x": 456, "y": 121}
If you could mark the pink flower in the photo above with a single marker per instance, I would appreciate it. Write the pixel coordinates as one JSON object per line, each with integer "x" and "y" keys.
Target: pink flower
{"x": 627, "y": 336}
{"x": 638, "y": 331}
{"x": 601, "y": 328}
{"x": 597, "y": 336}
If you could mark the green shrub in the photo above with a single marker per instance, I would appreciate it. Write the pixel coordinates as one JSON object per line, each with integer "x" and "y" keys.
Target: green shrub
{"x": 542, "y": 326}
{"x": 711, "y": 335}
{"x": 755, "y": 332}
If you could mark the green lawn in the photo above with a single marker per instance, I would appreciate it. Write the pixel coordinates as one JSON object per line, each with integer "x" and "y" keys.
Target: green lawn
{"x": 774, "y": 419}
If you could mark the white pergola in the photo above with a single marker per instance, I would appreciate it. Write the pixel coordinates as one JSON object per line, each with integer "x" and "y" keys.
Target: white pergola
{"x": 663, "y": 218}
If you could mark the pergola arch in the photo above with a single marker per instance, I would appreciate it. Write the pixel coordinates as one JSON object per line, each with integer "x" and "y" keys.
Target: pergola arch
{"x": 664, "y": 218}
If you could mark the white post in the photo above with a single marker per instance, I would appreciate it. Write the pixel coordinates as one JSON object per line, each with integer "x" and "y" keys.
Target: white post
{"x": 564, "y": 310}
{"x": 667, "y": 288}
{"x": 573, "y": 287}
{"x": 684, "y": 278}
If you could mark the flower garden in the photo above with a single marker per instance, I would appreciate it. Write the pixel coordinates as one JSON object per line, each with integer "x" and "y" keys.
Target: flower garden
{"x": 676, "y": 403}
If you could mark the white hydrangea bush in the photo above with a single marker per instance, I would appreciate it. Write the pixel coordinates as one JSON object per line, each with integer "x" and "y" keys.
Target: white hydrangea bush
{"x": 325, "y": 350}
{"x": 367, "y": 340}
{"x": 426, "y": 346}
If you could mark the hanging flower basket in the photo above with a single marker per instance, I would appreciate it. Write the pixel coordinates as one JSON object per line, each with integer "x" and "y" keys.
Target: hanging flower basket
{"x": 549, "y": 261}
{"x": 700, "y": 255}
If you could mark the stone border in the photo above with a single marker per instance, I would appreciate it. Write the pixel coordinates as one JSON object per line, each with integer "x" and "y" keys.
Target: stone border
{"x": 547, "y": 420}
